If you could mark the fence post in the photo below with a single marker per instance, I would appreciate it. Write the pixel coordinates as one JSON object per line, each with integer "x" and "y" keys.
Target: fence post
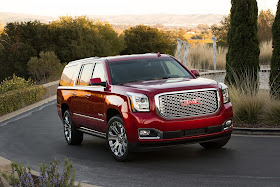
{"x": 178, "y": 50}
{"x": 214, "y": 50}
{"x": 186, "y": 53}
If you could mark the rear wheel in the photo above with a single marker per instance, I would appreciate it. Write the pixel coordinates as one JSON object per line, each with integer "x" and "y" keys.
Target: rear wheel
{"x": 117, "y": 139}
{"x": 72, "y": 135}
{"x": 215, "y": 144}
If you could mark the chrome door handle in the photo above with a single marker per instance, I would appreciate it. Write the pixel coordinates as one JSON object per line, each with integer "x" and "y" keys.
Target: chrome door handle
{"x": 74, "y": 93}
{"x": 88, "y": 95}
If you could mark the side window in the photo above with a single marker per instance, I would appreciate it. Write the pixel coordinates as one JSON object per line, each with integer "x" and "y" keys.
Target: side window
{"x": 67, "y": 75}
{"x": 85, "y": 75}
{"x": 173, "y": 69}
{"x": 99, "y": 72}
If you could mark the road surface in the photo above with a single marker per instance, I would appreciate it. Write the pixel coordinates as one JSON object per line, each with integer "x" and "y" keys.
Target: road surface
{"x": 37, "y": 136}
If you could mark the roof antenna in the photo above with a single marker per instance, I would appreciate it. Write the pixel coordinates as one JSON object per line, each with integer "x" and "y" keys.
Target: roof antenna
{"x": 158, "y": 54}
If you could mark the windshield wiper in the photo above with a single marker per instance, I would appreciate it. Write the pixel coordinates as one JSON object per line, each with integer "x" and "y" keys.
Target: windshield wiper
{"x": 129, "y": 82}
{"x": 167, "y": 77}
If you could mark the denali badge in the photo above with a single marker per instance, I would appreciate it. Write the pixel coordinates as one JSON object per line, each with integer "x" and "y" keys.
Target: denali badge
{"x": 190, "y": 102}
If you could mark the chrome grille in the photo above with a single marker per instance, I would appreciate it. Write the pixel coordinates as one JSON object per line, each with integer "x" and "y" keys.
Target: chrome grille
{"x": 196, "y": 103}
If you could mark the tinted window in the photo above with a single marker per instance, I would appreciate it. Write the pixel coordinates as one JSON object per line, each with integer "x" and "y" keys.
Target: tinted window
{"x": 99, "y": 72}
{"x": 146, "y": 69}
{"x": 85, "y": 75}
{"x": 67, "y": 75}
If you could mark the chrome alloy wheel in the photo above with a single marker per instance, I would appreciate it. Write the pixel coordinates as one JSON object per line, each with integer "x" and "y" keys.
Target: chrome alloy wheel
{"x": 117, "y": 139}
{"x": 67, "y": 128}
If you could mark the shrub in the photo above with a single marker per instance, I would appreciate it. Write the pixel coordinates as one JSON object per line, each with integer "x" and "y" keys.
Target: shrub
{"x": 14, "y": 83}
{"x": 271, "y": 113}
{"x": 13, "y": 100}
{"x": 201, "y": 57}
{"x": 46, "y": 68}
{"x": 247, "y": 107}
{"x": 49, "y": 176}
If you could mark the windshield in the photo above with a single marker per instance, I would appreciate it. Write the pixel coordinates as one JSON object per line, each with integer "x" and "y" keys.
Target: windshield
{"x": 146, "y": 69}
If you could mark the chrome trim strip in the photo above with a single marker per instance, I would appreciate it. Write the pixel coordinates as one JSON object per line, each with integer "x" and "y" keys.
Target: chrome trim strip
{"x": 92, "y": 132}
{"x": 156, "y": 97}
{"x": 89, "y": 88}
{"x": 88, "y": 117}
{"x": 160, "y": 134}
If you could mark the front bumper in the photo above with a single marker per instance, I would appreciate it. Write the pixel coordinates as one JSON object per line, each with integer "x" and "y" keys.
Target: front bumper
{"x": 148, "y": 146}
{"x": 177, "y": 129}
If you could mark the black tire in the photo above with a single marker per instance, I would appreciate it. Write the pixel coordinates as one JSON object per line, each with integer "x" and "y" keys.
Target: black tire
{"x": 215, "y": 144}
{"x": 117, "y": 139}
{"x": 72, "y": 135}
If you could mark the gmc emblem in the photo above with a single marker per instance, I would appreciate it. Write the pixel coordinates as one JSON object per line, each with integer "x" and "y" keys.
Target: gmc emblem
{"x": 190, "y": 102}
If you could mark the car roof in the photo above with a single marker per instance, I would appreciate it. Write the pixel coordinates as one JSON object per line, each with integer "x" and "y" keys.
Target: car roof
{"x": 119, "y": 58}
{"x": 134, "y": 57}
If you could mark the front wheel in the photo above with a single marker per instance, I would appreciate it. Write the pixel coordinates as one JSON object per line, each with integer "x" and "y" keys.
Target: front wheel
{"x": 72, "y": 135}
{"x": 117, "y": 139}
{"x": 215, "y": 144}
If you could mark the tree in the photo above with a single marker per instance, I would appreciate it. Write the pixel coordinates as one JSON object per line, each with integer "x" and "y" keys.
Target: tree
{"x": 145, "y": 39}
{"x": 242, "y": 60}
{"x": 76, "y": 38}
{"x": 265, "y": 21}
{"x": 221, "y": 31}
{"x": 46, "y": 68}
{"x": 1, "y": 27}
{"x": 275, "y": 60}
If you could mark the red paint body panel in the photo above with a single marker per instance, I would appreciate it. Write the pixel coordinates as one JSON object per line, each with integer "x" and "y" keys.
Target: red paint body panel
{"x": 114, "y": 97}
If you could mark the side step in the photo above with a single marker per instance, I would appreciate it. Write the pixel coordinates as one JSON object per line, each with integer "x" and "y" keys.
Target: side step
{"x": 92, "y": 132}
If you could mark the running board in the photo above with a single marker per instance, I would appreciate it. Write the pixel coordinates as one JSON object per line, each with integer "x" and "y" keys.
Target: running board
{"x": 92, "y": 132}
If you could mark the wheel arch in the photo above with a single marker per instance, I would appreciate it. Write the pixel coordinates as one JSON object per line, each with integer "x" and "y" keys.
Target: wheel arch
{"x": 112, "y": 112}
{"x": 64, "y": 107}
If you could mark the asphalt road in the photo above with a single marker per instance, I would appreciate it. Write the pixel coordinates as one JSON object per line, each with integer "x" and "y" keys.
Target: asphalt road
{"x": 37, "y": 136}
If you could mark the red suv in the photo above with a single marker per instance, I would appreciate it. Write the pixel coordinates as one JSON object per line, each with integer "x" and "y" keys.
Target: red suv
{"x": 141, "y": 101}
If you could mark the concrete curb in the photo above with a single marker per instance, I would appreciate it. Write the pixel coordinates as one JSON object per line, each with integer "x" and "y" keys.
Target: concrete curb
{"x": 25, "y": 109}
{"x": 5, "y": 167}
{"x": 257, "y": 131}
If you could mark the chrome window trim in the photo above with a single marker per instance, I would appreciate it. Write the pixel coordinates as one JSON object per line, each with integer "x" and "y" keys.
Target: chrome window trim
{"x": 88, "y": 88}
{"x": 81, "y": 115}
{"x": 156, "y": 97}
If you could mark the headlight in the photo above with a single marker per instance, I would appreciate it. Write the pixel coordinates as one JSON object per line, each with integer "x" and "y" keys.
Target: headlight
{"x": 225, "y": 93}
{"x": 139, "y": 102}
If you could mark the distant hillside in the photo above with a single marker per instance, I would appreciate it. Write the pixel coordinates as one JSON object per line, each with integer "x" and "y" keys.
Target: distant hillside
{"x": 164, "y": 19}
{"x": 6, "y": 17}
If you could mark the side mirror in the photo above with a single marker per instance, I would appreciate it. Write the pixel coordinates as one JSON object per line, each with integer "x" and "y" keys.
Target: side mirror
{"x": 195, "y": 72}
{"x": 97, "y": 82}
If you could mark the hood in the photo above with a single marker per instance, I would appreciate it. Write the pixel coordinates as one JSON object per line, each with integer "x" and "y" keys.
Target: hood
{"x": 172, "y": 84}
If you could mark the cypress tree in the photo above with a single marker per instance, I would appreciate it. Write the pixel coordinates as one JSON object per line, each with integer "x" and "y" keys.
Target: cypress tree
{"x": 242, "y": 60}
{"x": 275, "y": 60}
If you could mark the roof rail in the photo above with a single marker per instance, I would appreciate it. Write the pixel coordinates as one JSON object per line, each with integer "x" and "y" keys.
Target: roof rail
{"x": 83, "y": 60}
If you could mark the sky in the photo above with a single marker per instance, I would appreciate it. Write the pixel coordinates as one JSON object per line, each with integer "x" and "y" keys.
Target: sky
{"x": 123, "y": 7}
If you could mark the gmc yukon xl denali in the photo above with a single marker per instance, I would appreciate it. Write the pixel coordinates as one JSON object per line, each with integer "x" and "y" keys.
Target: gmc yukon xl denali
{"x": 142, "y": 101}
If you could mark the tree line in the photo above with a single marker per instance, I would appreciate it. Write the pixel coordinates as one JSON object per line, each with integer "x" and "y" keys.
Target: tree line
{"x": 264, "y": 24}
{"x": 24, "y": 45}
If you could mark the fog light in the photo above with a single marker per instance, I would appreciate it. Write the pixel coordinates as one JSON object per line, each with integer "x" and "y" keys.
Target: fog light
{"x": 144, "y": 132}
{"x": 228, "y": 124}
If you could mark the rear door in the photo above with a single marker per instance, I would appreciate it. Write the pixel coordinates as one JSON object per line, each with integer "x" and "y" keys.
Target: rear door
{"x": 96, "y": 100}
{"x": 89, "y": 105}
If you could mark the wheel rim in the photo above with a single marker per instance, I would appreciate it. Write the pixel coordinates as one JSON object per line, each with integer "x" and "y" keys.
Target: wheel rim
{"x": 67, "y": 128}
{"x": 117, "y": 139}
